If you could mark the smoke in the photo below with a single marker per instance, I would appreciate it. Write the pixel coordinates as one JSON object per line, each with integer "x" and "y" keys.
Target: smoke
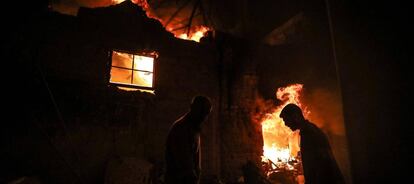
{"x": 325, "y": 107}
{"x": 182, "y": 18}
{"x": 262, "y": 107}
{"x": 71, "y": 7}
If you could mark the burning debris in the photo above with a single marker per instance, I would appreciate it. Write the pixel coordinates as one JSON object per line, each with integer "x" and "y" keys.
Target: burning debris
{"x": 281, "y": 159}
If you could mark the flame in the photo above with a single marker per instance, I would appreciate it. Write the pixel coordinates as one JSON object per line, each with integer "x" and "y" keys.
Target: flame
{"x": 144, "y": 64}
{"x": 132, "y": 69}
{"x": 196, "y": 35}
{"x": 281, "y": 144}
{"x": 175, "y": 26}
{"x": 117, "y": 1}
{"x": 143, "y": 3}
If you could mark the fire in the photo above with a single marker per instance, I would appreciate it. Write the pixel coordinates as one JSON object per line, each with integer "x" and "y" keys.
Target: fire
{"x": 184, "y": 26}
{"x": 117, "y": 1}
{"x": 143, "y": 3}
{"x": 143, "y": 63}
{"x": 196, "y": 35}
{"x": 281, "y": 144}
{"x": 133, "y": 69}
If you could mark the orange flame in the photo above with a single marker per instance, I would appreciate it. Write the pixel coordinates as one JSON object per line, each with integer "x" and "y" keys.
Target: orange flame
{"x": 281, "y": 144}
{"x": 133, "y": 69}
{"x": 143, "y": 3}
{"x": 117, "y": 1}
{"x": 195, "y": 35}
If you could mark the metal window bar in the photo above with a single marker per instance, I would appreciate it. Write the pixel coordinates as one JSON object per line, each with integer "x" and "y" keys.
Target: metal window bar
{"x": 131, "y": 84}
{"x": 125, "y": 68}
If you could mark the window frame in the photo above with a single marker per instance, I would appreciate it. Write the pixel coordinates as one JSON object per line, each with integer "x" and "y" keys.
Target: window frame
{"x": 131, "y": 85}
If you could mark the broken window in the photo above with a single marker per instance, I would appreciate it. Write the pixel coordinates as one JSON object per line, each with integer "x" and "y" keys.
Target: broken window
{"x": 132, "y": 71}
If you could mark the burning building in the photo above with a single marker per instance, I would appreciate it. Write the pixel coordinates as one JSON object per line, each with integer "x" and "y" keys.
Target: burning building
{"x": 99, "y": 89}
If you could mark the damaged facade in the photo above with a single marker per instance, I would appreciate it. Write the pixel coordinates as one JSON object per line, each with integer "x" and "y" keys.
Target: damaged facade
{"x": 90, "y": 131}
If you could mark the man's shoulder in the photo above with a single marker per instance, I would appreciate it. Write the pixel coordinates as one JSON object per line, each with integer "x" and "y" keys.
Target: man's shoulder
{"x": 310, "y": 126}
{"x": 179, "y": 126}
{"x": 312, "y": 130}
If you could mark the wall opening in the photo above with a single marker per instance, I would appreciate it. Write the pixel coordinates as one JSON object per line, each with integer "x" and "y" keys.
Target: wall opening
{"x": 133, "y": 71}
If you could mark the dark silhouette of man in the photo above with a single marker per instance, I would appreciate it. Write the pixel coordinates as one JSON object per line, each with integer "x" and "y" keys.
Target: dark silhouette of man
{"x": 319, "y": 164}
{"x": 183, "y": 144}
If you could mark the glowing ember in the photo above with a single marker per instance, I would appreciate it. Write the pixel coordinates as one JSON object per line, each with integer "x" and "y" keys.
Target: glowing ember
{"x": 281, "y": 144}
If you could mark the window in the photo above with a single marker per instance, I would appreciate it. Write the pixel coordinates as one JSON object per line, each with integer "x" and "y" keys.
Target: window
{"x": 132, "y": 71}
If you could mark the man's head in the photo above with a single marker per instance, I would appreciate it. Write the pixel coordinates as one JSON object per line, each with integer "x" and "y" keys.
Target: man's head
{"x": 292, "y": 116}
{"x": 200, "y": 107}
